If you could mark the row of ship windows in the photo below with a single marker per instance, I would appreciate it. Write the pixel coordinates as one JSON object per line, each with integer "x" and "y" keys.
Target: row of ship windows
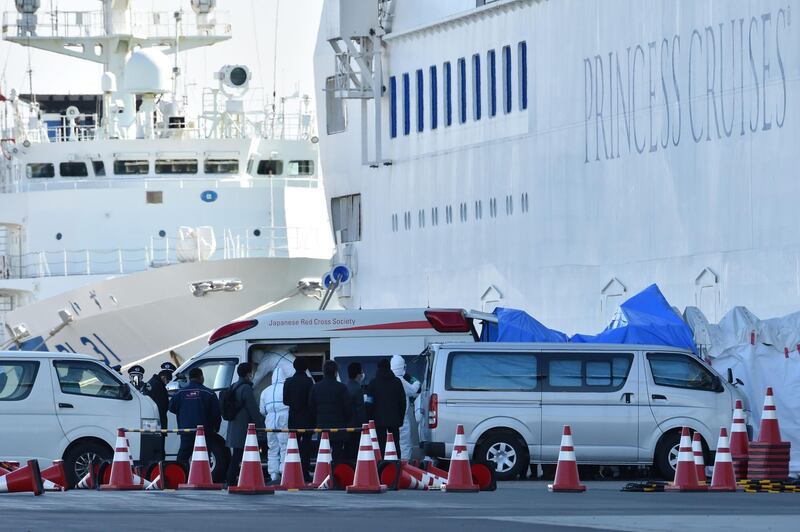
{"x": 505, "y": 96}
{"x": 463, "y": 213}
{"x": 270, "y": 167}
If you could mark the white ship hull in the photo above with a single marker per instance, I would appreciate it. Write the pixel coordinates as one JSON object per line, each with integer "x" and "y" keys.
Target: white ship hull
{"x": 659, "y": 144}
{"x": 146, "y": 318}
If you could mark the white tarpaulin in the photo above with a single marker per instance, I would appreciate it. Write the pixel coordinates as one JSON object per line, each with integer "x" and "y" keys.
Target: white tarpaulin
{"x": 760, "y": 353}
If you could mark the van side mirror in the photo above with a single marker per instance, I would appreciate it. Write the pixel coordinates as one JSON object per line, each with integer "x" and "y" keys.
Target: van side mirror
{"x": 730, "y": 376}
{"x": 125, "y": 393}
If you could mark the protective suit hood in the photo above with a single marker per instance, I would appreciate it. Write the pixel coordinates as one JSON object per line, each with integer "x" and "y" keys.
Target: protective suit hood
{"x": 398, "y": 365}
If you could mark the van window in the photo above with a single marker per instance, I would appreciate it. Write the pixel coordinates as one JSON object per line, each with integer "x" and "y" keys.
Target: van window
{"x": 217, "y": 373}
{"x": 590, "y": 372}
{"x": 681, "y": 371}
{"x": 87, "y": 378}
{"x": 491, "y": 371}
{"x": 16, "y": 379}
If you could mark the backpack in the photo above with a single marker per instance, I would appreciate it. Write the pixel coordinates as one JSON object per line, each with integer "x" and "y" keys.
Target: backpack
{"x": 229, "y": 405}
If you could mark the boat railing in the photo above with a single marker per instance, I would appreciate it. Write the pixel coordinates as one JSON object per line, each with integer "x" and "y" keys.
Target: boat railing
{"x": 252, "y": 242}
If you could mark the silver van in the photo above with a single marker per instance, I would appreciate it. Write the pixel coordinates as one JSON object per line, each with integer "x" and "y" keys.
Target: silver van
{"x": 626, "y": 404}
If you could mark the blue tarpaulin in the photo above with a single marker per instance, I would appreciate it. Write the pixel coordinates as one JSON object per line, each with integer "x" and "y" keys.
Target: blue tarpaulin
{"x": 646, "y": 318}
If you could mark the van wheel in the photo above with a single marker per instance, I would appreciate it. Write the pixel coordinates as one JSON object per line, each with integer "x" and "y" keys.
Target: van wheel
{"x": 78, "y": 458}
{"x": 505, "y": 452}
{"x": 666, "y": 459}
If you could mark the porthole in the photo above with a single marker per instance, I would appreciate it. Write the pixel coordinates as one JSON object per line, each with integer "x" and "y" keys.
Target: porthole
{"x": 59, "y": 236}
{"x": 162, "y": 233}
{"x": 257, "y": 232}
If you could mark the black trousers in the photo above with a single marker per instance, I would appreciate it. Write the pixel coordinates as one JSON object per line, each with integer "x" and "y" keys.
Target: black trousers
{"x": 382, "y": 438}
{"x": 351, "y": 448}
{"x": 304, "y": 444}
{"x": 340, "y": 442}
{"x": 216, "y": 446}
{"x": 235, "y": 465}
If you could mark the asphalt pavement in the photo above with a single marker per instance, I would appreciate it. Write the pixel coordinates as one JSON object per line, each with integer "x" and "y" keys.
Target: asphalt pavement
{"x": 522, "y": 505}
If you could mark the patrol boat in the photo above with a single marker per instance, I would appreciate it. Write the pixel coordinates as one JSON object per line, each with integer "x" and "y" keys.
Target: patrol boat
{"x": 130, "y": 228}
{"x": 562, "y": 155}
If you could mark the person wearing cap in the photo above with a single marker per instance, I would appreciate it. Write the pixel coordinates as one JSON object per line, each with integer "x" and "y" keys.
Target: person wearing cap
{"x": 387, "y": 400}
{"x": 331, "y": 407}
{"x": 156, "y": 389}
{"x": 354, "y": 387}
{"x": 277, "y": 417}
{"x": 411, "y": 388}
{"x": 136, "y": 376}
{"x": 296, "y": 392}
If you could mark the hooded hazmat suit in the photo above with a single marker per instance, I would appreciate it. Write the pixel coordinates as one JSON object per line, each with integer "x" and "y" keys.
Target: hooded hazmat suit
{"x": 279, "y": 362}
{"x": 398, "y": 365}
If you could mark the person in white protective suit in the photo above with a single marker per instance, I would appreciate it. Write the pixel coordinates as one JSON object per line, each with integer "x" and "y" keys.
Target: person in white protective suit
{"x": 411, "y": 387}
{"x": 277, "y": 417}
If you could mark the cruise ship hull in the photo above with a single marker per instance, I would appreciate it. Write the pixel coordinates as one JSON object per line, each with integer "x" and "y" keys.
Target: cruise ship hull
{"x": 647, "y": 142}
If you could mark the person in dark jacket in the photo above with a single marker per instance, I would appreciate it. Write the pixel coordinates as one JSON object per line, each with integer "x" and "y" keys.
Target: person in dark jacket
{"x": 296, "y": 392}
{"x": 331, "y": 407}
{"x": 156, "y": 389}
{"x": 248, "y": 413}
{"x": 197, "y": 405}
{"x": 356, "y": 376}
{"x": 387, "y": 399}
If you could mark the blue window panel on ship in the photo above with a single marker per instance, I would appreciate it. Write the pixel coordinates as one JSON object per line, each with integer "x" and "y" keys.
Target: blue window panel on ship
{"x": 406, "y": 104}
{"x": 434, "y": 99}
{"x": 507, "y": 79}
{"x": 492, "y": 66}
{"x": 448, "y": 92}
{"x": 420, "y": 102}
{"x": 462, "y": 90}
{"x": 393, "y": 106}
{"x": 476, "y": 87}
{"x": 523, "y": 75}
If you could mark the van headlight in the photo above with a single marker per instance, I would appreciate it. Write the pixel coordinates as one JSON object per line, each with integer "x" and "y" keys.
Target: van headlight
{"x": 150, "y": 424}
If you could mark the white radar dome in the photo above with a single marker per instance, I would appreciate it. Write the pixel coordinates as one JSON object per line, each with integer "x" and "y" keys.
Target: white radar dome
{"x": 147, "y": 72}
{"x": 27, "y": 6}
{"x": 203, "y": 7}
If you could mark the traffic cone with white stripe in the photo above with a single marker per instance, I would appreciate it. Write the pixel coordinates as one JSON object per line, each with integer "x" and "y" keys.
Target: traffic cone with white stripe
{"x": 459, "y": 477}
{"x": 366, "y": 476}
{"x": 770, "y": 431}
{"x": 567, "y": 468}
{"x": 391, "y": 448}
{"x": 373, "y": 435}
{"x": 697, "y": 453}
{"x": 292, "y": 474}
{"x": 740, "y": 442}
{"x": 723, "y": 478}
{"x": 686, "y": 470}
{"x": 27, "y": 478}
{"x": 200, "y": 469}
{"x": 404, "y": 476}
{"x": 322, "y": 471}
{"x": 121, "y": 468}
{"x": 54, "y": 478}
{"x": 251, "y": 476}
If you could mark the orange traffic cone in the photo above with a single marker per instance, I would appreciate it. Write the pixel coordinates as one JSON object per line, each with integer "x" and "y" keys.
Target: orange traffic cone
{"x": 686, "y": 470}
{"x": 322, "y": 470}
{"x": 200, "y": 469}
{"x": 251, "y": 476}
{"x": 121, "y": 473}
{"x": 366, "y": 476}
{"x": 27, "y": 478}
{"x": 697, "y": 453}
{"x": 373, "y": 435}
{"x": 459, "y": 477}
{"x": 770, "y": 431}
{"x": 54, "y": 478}
{"x": 740, "y": 442}
{"x": 723, "y": 478}
{"x": 292, "y": 474}
{"x": 399, "y": 476}
{"x": 391, "y": 448}
{"x": 567, "y": 467}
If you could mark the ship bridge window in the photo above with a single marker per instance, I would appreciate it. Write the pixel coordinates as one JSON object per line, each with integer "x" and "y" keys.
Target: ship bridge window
{"x": 221, "y": 166}
{"x": 99, "y": 168}
{"x": 522, "y": 52}
{"x": 434, "y": 95}
{"x": 346, "y": 218}
{"x": 73, "y": 169}
{"x": 491, "y": 66}
{"x": 335, "y": 110}
{"x": 406, "y": 104}
{"x": 420, "y": 102}
{"x": 131, "y": 167}
{"x": 506, "y": 79}
{"x": 270, "y": 167}
{"x": 301, "y": 167}
{"x": 476, "y": 87}
{"x": 176, "y": 166}
{"x": 448, "y": 94}
{"x": 39, "y": 170}
{"x": 462, "y": 91}
{"x": 393, "y": 107}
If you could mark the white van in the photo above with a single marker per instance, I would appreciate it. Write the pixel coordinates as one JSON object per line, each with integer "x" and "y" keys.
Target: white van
{"x": 343, "y": 335}
{"x": 66, "y": 406}
{"x": 625, "y": 404}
